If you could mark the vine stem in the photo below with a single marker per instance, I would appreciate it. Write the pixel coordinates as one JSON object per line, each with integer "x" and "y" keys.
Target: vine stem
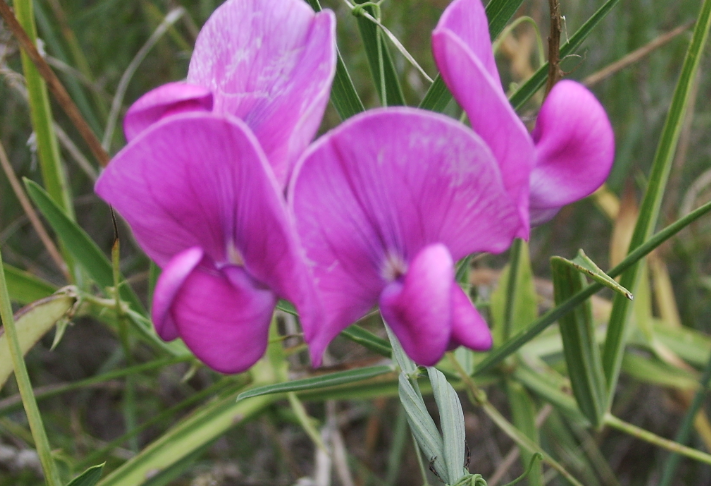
{"x": 654, "y": 439}
{"x": 23, "y": 382}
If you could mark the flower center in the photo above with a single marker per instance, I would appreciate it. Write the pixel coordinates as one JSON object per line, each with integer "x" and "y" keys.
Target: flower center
{"x": 233, "y": 254}
{"x": 394, "y": 267}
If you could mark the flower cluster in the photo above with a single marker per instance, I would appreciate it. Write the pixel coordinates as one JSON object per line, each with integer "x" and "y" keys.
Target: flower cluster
{"x": 377, "y": 211}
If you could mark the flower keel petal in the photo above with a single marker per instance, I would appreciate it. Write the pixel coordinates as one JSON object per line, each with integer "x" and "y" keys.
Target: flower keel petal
{"x": 468, "y": 327}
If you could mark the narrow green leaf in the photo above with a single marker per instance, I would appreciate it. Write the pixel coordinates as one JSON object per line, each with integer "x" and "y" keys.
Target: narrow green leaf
{"x": 651, "y": 203}
{"x": 368, "y": 340}
{"x": 343, "y": 94}
{"x": 307, "y": 422}
{"x": 324, "y": 381}
{"x": 89, "y": 477}
{"x": 523, "y": 412}
{"x": 535, "y": 328}
{"x": 582, "y": 355}
{"x": 437, "y": 97}
{"x": 400, "y": 356}
{"x": 536, "y": 82}
{"x": 380, "y": 61}
{"x": 421, "y": 424}
{"x": 586, "y": 266}
{"x": 451, "y": 420}
{"x": 25, "y": 287}
{"x": 33, "y": 322}
{"x": 545, "y": 386}
{"x": 80, "y": 245}
{"x": 651, "y": 370}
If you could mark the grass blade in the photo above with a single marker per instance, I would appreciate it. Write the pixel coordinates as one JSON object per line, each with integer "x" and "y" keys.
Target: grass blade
{"x": 24, "y": 287}
{"x": 89, "y": 477}
{"x": 649, "y": 209}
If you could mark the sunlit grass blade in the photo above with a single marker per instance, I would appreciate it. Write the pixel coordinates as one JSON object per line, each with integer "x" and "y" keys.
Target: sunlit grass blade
{"x": 89, "y": 477}
{"x": 23, "y": 382}
{"x": 535, "y": 328}
{"x": 33, "y": 322}
{"x": 323, "y": 381}
{"x": 80, "y": 244}
{"x": 344, "y": 97}
{"x": 582, "y": 354}
{"x": 25, "y": 287}
{"x": 536, "y": 82}
{"x": 651, "y": 203}
{"x": 380, "y": 61}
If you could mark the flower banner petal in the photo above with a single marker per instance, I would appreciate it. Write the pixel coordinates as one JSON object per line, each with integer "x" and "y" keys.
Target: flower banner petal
{"x": 418, "y": 307}
{"x": 575, "y": 147}
{"x": 223, "y": 317}
{"x": 169, "y": 99}
{"x": 270, "y": 63}
{"x": 168, "y": 286}
{"x": 369, "y": 195}
{"x": 490, "y": 114}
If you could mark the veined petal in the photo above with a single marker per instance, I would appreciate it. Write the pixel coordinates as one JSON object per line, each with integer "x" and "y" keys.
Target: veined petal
{"x": 490, "y": 114}
{"x": 369, "y": 195}
{"x": 169, "y": 99}
{"x": 466, "y": 19}
{"x": 468, "y": 327}
{"x": 223, "y": 317}
{"x": 171, "y": 280}
{"x": 270, "y": 63}
{"x": 201, "y": 180}
{"x": 575, "y": 148}
{"x": 418, "y": 307}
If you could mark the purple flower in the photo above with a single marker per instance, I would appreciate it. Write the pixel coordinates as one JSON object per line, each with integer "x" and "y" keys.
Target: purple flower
{"x": 571, "y": 150}
{"x": 385, "y": 204}
{"x": 268, "y": 62}
{"x": 200, "y": 179}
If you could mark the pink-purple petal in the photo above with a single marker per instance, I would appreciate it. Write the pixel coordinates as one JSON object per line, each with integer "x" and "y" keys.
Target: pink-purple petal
{"x": 369, "y": 195}
{"x": 468, "y": 327}
{"x": 418, "y": 307}
{"x": 169, "y": 283}
{"x": 490, "y": 114}
{"x": 574, "y": 148}
{"x": 223, "y": 317}
{"x": 169, "y": 99}
{"x": 466, "y": 19}
{"x": 271, "y": 63}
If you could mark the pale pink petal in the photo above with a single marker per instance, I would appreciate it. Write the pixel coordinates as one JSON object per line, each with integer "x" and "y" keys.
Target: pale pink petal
{"x": 418, "y": 307}
{"x": 468, "y": 327}
{"x": 271, "y": 63}
{"x": 372, "y": 193}
{"x": 168, "y": 286}
{"x": 574, "y": 148}
{"x": 490, "y": 114}
{"x": 201, "y": 180}
{"x": 467, "y": 20}
{"x": 223, "y": 317}
{"x": 169, "y": 99}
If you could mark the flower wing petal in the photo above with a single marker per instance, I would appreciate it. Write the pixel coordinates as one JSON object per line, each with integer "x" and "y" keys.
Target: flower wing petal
{"x": 169, "y": 99}
{"x": 418, "y": 307}
{"x": 490, "y": 114}
{"x": 575, "y": 148}
{"x": 271, "y": 63}
{"x": 223, "y": 317}
{"x": 468, "y": 327}
{"x": 372, "y": 193}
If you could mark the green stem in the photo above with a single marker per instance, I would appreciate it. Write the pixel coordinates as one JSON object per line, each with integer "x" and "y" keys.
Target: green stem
{"x": 654, "y": 439}
{"x": 23, "y": 382}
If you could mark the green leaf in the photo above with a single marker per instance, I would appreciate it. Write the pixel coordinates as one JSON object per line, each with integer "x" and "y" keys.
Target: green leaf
{"x": 89, "y": 477}
{"x": 379, "y": 60}
{"x": 651, "y": 203}
{"x": 538, "y": 326}
{"x": 421, "y": 424}
{"x": 582, "y": 355}
{"x": 80, "y": 245}
{"x": 547, "y": 387}
{"x": 451, "y": 420}
{"x": 400, "y": 356}
{"x": 536, "y": 82}
{"x": 587, "y": 267}
{"x": 343, "y": 94}
{"x": 437, "y": 97}
{"x": 368, "y": 340}
{"x": 33, "y": 322}
{"x": 499, "y": 12}
{"x": 523, "y": 412}
{"x": 323, "y": 381}
{"x": 24, "y": 287}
